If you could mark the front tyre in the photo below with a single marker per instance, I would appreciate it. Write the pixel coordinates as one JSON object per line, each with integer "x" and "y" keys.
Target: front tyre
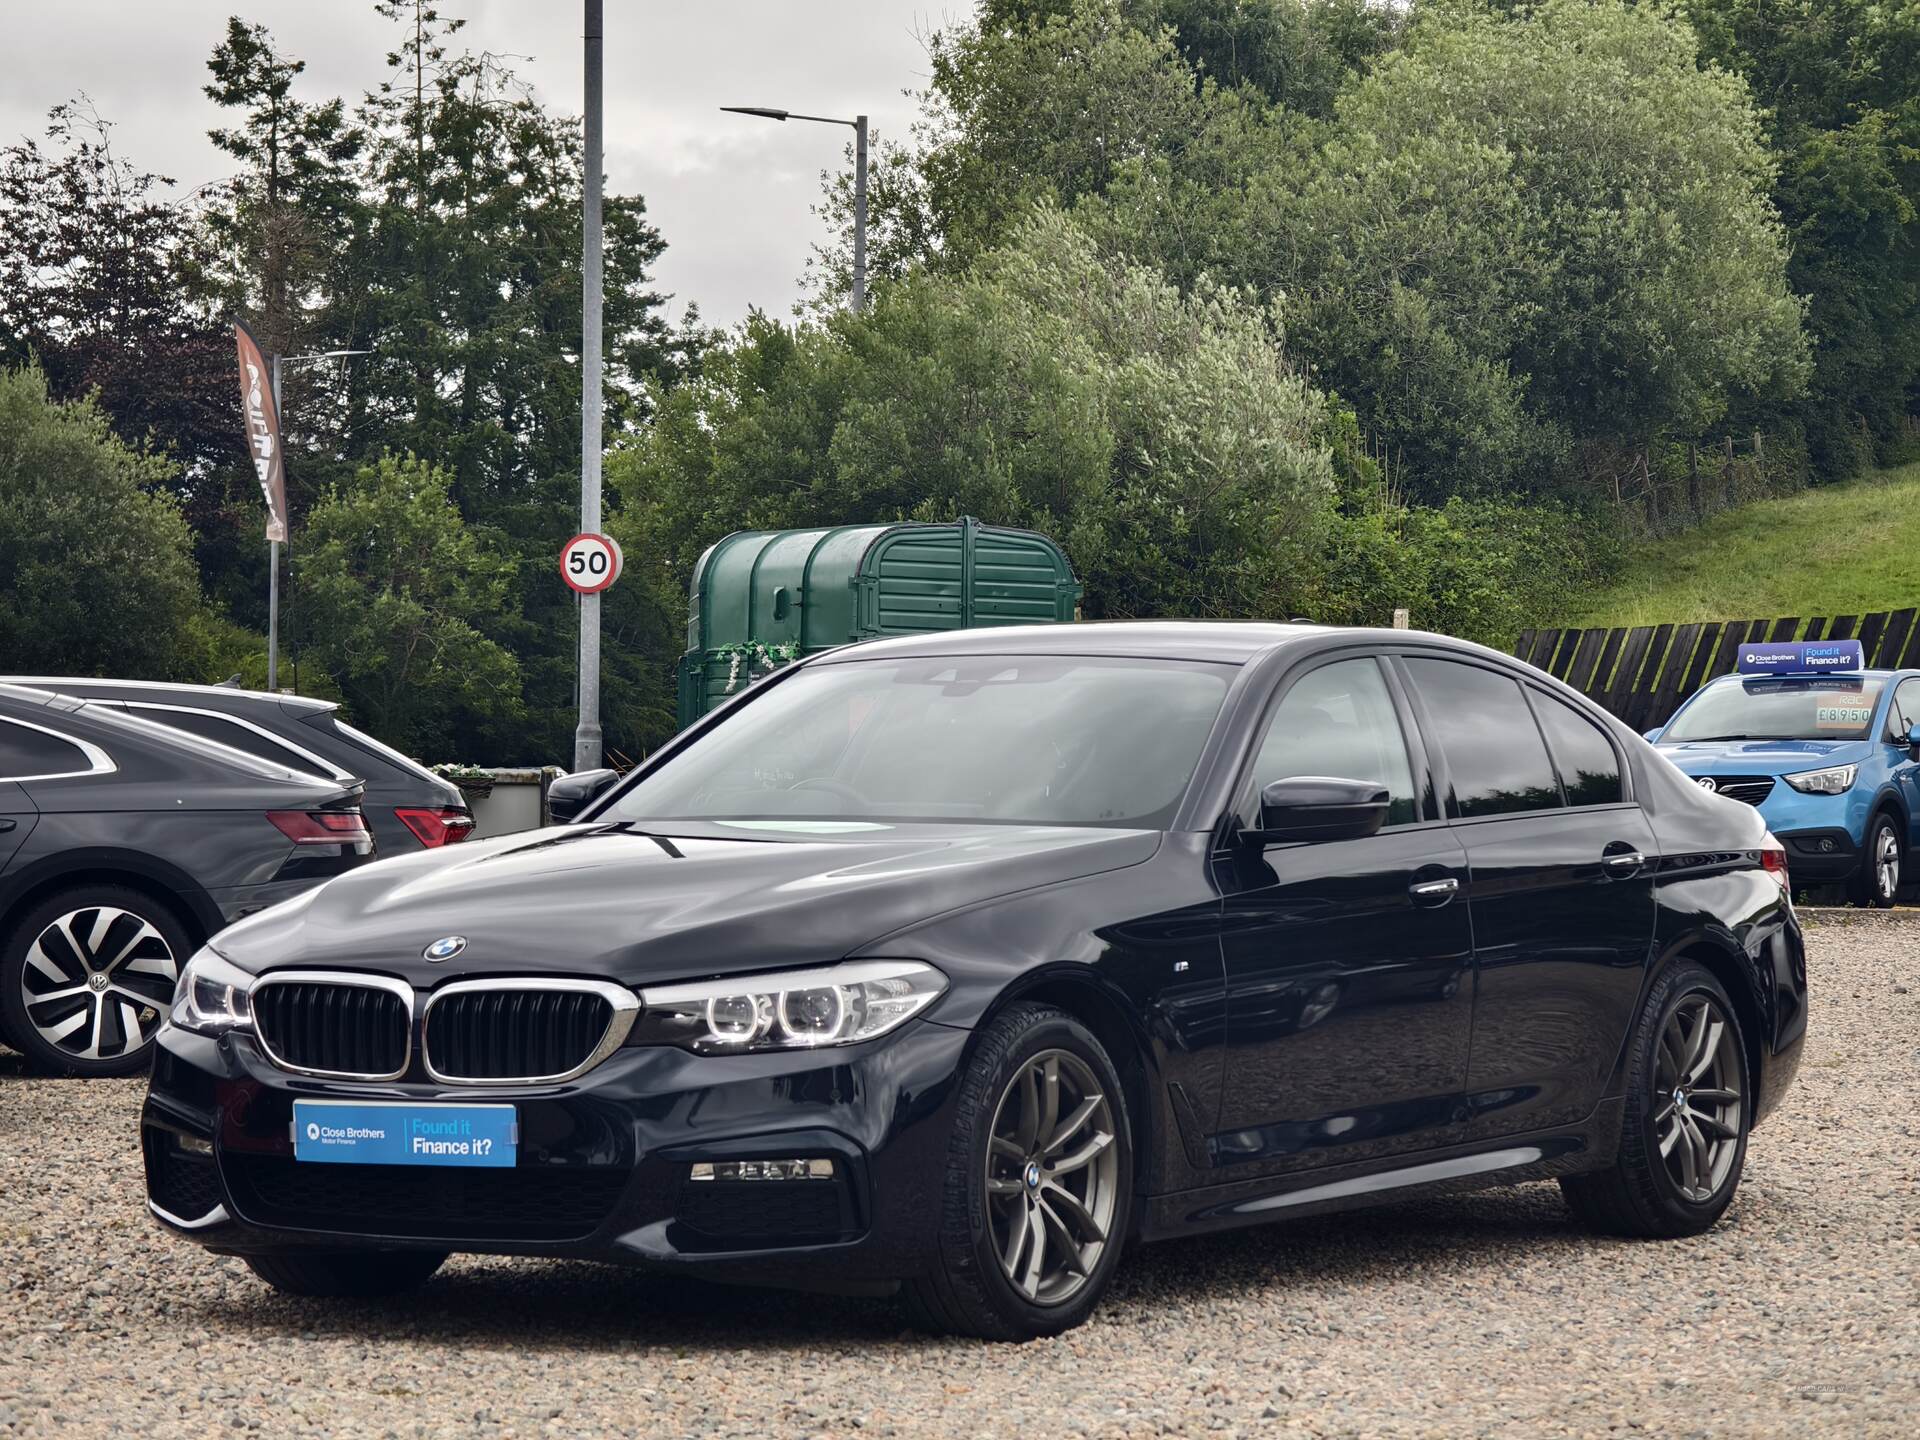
{"x": 1878, "y": 882}
{"x": 1038, "y": 1187}
{"x": 1684, "y": 1140}
{"x": 355, "y": 1274}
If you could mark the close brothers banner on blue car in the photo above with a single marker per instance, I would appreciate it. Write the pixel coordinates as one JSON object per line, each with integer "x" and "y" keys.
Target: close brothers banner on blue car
{"x": 345, "y": 1132}
{"x": 1802, "y": 657}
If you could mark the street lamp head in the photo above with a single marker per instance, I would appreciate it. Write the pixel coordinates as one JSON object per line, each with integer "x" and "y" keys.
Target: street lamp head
{"x": 760, "y": 110}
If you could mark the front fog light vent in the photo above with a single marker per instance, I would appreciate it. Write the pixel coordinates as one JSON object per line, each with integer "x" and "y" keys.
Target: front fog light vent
{"x": 762, "y": 1170}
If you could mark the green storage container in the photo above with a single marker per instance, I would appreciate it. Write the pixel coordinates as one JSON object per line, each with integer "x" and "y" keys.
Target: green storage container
{"x": 771, "y": 595}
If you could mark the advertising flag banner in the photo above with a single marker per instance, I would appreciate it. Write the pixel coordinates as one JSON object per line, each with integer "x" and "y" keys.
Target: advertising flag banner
{"x": 263, "y": 430}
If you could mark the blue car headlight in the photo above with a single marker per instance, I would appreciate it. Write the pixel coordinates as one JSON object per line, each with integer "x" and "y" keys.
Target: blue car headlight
{"x": 1834, "y": 780}
{"x": 787, "y": 1010}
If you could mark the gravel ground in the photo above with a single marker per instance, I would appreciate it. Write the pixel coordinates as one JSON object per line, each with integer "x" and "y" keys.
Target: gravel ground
{"x": 1486, "y": 1314}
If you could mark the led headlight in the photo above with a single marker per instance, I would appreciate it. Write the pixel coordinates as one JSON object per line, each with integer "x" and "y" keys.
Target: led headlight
{"x": 213, "y": 996}
{"x": 1835, "y": 780}
{"x": 788, "y": 1010}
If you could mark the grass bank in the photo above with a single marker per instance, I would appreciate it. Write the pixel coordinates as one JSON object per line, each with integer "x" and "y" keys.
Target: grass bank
{"x": 1840, "y": 550}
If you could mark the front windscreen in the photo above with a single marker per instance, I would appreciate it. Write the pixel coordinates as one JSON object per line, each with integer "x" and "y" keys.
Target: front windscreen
{"x": 1826, "y": 708}
{"x": 1030, "y": 739}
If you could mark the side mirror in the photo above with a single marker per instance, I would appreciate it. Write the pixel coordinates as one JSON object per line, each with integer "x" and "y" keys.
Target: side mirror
{"x": 1318, "y": 807}
{"x": 1653, "y": 736}
{"x": 570, "y": 794}
{"x": 1913, "y": 743}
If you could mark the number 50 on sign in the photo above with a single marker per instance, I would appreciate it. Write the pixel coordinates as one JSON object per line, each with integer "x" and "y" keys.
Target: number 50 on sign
{"x": 590, "y": 562}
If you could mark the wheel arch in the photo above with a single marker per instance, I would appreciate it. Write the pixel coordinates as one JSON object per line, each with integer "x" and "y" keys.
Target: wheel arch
{"x": 154, "y": 878}
{"x": 1890, "y": 799}
{"x": 1721, "y": 958}
{"x": 1079, "y": 991}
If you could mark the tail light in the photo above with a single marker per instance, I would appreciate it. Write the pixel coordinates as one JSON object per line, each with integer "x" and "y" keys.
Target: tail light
{"x": 1773, "y": 859}
{"x": 435, "y": 826}
{"x": 322, "y": 827}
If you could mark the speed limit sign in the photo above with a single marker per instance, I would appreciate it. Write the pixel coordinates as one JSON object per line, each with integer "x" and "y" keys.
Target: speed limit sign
{"x": 590, "y": 562}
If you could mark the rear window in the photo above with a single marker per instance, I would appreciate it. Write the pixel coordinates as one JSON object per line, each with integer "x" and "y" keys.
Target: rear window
{"x": 359, "y": 739}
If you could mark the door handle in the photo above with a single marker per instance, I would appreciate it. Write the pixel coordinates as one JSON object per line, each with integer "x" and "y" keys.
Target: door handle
{"x": 1434, "y": 892}
{"x": 6, "y": 824}
{"x": 1626, "y": 863}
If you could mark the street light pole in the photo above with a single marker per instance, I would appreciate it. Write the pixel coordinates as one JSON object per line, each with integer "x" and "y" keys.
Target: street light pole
{"x": 273, "y": 555}
{"x": 859, "y": 127}
{"x": 587, "y": 735}
{"x": 859, "y": 213}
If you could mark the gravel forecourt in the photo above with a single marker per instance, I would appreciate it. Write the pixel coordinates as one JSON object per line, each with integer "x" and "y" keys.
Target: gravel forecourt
{"x": 1485, "y": 1314}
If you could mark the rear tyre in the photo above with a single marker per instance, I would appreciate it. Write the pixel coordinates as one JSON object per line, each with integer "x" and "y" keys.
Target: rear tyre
{"x": 1038, "y": 1191}
{"x": 1878, "y": 883}
{"x": 346, "y": 1273}
{"x": 1689, "y": 1106}
{"x": 86, "y": 977}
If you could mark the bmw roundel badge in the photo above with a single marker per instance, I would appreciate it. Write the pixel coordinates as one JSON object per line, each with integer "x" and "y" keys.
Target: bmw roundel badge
{"x": 445, "y": 948}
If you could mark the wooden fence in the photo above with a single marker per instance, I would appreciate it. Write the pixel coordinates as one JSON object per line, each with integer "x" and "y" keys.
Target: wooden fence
{"x": 1643, "y": 673}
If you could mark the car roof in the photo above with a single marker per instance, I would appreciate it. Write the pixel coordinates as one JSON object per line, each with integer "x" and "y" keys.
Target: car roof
{"x": 74, "y": 684}
{"x": 1229, "y": 642}
{"x": 62, "y": 712}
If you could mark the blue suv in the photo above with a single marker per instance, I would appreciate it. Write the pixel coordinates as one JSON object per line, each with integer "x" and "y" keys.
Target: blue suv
{"x": 1830, "y": 756}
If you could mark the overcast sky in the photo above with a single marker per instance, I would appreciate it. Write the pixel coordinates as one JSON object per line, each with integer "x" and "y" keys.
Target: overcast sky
{"x": 730, "y": 194}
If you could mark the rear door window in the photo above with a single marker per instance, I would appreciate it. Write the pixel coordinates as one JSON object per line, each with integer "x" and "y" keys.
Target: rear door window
{"x": 1484, "y": 728}
{"x": 230, "y": 732}
{"x": 1589, "y": 767}
{"x": 26, "y": 753}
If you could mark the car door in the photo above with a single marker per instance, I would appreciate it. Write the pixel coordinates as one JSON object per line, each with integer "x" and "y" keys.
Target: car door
{"x": 1348, "y": 963}
{"x": 16, "y": 816}
{"x": 24, "y": 750}
{"x": 1561, "y": 865}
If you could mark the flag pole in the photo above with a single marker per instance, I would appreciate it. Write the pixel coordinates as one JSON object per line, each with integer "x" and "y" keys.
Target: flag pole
{"x": 273, "y": 569}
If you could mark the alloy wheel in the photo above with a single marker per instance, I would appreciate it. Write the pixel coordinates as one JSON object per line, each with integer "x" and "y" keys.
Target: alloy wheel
{"x": 1886, "y": 862}
{"x": 97, "y": 982}
{"x": 1052, "y": 1174}
{"x": 1697, "y": 1113}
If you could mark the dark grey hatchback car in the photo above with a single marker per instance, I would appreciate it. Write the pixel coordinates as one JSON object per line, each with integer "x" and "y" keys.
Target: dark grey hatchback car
{"x": 123, "y": 846}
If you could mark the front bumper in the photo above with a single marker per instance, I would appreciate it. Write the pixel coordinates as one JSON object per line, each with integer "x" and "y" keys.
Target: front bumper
{"x": 603, "y": 1165}
{"x": 1824, "y": 855}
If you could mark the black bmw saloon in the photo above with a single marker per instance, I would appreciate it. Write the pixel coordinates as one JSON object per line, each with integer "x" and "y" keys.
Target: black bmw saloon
{"x": 953, "y": 964}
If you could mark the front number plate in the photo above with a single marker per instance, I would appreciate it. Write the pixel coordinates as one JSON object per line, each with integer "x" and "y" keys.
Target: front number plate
{"x": 352, "y": 1132}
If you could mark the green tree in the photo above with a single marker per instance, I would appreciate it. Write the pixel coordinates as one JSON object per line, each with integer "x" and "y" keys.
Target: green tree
{"x": 394, "y": 591}
{"x": 96, "y": 565}
{"x": 1163, "y": 438}
{"x": 1841, "y": 82}
{"x": 470, "y": 296}
{"x": 102, "y": 285}
{"x": 292, "y": 210}
{"x": 1570, "y": 197}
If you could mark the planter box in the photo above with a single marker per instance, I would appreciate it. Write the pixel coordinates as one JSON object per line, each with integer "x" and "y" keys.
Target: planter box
{"x": 518, "y": 801}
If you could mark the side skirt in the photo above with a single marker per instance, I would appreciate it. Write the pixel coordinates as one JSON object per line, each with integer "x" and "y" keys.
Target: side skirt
{"x": 1507, "y": 1160}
